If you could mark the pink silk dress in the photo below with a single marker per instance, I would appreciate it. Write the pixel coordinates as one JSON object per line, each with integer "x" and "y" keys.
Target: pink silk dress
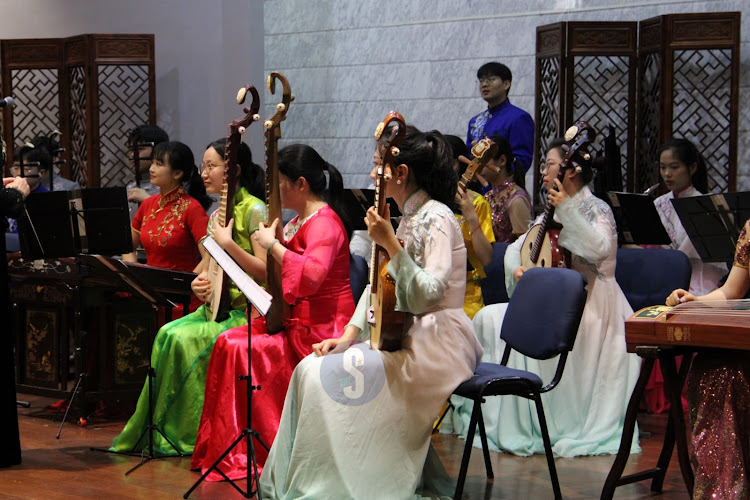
{"x": 315, "y": 281}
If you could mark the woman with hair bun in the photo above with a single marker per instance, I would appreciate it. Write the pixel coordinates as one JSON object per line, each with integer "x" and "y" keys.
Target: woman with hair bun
{"x": 357, "y": 422}
{"x": 314, "y": 258}
{"x": 585, "y": 413}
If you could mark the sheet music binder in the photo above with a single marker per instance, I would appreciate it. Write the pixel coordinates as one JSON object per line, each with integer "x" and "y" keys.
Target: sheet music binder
{"x": 638, "y": 222}
{"x": 358, "y": 201}
{"x": 713, "y": 222}
{"x": 67, "y": 223}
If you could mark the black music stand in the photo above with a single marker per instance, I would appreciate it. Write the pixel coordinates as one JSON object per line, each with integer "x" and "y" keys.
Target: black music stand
{"x": 638, "y": 222}
{"x": 120, "y": 272}
{"x": 713, "y": 223}
{"x": 248, "y": 433}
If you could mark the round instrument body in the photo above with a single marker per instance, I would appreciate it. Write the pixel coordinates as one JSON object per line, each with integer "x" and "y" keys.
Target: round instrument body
{"x": 551, "y": 254}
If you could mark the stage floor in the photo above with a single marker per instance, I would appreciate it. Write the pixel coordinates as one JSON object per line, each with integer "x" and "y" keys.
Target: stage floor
{"x": 66, "y": 468}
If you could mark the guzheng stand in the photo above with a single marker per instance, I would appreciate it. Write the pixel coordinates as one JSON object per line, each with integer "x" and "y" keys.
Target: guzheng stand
{"x": 675, "y": 432}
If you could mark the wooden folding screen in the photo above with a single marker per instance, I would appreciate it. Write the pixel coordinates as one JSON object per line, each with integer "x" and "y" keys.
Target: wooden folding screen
{"x": 92, "y": 88}
{"x": 688, "y": 87}
{"x": 586, "y": 71}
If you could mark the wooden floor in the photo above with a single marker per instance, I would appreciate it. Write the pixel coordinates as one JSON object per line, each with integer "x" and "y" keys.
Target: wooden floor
{"x": 67, "y": 468}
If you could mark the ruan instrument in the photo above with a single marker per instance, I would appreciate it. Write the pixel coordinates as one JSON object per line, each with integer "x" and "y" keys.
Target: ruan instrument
{"x": 279, "y": 312}
{"x": 386, "y": 324}
{"x": 483, "y": 151}
{"x": 540, "y": 247}
{"x": 722, "y": 324}
{"x": 219, "y": 302}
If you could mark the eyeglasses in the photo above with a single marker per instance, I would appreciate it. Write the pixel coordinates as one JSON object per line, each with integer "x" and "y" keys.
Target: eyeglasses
{"x": 208, "y": 167}
{"x": 489, "y": 80}
{"x": 28, "y": 168}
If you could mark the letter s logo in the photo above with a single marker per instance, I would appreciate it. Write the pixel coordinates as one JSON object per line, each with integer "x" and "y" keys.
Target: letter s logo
{"x": 354, "y": 357}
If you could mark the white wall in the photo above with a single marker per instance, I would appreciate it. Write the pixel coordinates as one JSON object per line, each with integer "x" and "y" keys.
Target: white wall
{"x": 205, "y": 51}
{"x": 349, "y": 62}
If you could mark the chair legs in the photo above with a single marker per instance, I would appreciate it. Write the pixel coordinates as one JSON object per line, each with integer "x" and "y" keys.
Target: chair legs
{"x": 547, "y": 447}
{"x": 467, "y": 449}
{"x": 485, "y": 448}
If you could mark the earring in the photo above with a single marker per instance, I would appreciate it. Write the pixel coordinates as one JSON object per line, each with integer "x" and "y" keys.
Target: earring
{"x": 398, "y": 181}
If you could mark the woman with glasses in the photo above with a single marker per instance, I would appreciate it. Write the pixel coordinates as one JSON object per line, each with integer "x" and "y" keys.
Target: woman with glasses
{"x": 586, "y": 412}
{"x": 182, "y": 348}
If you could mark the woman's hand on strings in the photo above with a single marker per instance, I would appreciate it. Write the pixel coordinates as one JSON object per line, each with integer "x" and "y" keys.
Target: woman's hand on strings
{"x": 223, "y": 235}
{"x": 381, "y": 230}
{"x": 679, "y": 296}
{"x": 266, "y": 234}
{"x": 557, "y": 196}
{"x": 201, "y": 287}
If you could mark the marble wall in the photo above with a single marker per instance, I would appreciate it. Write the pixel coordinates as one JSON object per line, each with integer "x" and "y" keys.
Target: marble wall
{"x": 350, "y": 62}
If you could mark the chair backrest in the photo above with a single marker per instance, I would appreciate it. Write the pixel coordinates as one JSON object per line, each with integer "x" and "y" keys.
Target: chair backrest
{"x": 493, "y": 286}
{"x": 358, "y": 271}
{"x": 648, "y": 276}
{"x": 544, "y": 312}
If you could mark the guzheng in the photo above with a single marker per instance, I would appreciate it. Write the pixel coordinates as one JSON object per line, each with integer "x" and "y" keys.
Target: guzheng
{"x": 722, "y": 324}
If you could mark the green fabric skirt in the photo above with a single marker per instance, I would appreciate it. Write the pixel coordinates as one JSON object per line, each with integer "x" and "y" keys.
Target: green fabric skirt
{"x": 179, "y": 357}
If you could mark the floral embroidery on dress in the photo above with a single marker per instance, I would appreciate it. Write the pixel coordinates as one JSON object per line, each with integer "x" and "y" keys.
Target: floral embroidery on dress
{"x": 420, "y": 211}
{"x": 172, "y": 205}
{"x": 593, "y": 209}
{"x": 477, "y": 126}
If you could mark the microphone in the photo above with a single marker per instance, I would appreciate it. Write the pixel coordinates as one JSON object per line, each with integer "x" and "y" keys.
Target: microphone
{"x": 7, "y": 102}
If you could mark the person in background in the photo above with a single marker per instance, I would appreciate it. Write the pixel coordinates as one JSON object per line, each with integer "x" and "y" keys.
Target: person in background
{"x": 718, "y": 395}
{"x": 143, "y": 138}
{"x": 475, "y": 217}
{"x": 510, "y": 203}
{"x": 683, "y": 170}
{"x": 49, "y": 179}
{"x": 501, "y": 117}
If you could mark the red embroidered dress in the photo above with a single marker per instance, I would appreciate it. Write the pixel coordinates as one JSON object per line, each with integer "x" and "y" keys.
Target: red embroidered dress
{"x": 171, "y": 227}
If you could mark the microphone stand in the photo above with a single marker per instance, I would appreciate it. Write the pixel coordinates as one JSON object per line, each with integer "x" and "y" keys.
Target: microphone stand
{"x": 248, "y": 433}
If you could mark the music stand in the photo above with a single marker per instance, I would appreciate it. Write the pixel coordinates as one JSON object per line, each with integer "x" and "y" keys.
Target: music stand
{"x": 638, "y": 222}
{"x": 259, "y": 298}
{"x": 713, "y": 222}
{"x": 82, "y": 221}
{"x": 358, "y": 201}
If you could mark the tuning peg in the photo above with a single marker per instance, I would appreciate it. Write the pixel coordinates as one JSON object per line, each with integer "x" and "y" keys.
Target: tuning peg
{"x": 256, "y": 117}
{"x": 586, "y": 156}
{"x": 395, "y": 151}
{"x": 268, "y": 124}
{"x": 281, "y": 106}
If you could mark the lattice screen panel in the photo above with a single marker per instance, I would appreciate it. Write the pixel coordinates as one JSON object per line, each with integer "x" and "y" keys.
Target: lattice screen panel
{"x": 647, "y": 165}
{"x": 37, "y": 96}
{"x": 549, "y": 110}
{"x": 77, "y": 79}
{"x": 701, "y": 100}
{"x": 600, "y": 97}
{"x": 122, "y": 106}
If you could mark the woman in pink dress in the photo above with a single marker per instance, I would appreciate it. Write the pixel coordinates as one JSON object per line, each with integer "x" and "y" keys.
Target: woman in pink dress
{"x": 314, "y": 259}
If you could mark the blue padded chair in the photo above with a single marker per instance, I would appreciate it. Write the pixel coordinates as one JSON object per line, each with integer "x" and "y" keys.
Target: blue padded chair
{"x": 648, "y": 276}
{"x": 358, "y": 275}
{"x": 536, "y": 332}
{"x": 493, "y": 286}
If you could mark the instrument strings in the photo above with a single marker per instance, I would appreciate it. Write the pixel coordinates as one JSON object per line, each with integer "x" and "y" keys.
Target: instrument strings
{"x": 726, "y": 308}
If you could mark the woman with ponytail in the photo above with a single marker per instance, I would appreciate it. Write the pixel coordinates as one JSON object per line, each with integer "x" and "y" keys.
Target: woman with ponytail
{"x": 171, "y": 224}
{"x": 314, "y": 258}
{"x": 182, "y": 347}
{"x": 357, "y": 422}
{"x": 511, "y": 204}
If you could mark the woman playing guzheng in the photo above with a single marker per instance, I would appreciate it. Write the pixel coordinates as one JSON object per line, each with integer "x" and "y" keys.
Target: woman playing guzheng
{"x": 182, "y": 348}
{"x": 357, "y": 421}
{"x": 314, "y": 259}
{"x": 585, "y": 413}
{"x": 718, "y": 393}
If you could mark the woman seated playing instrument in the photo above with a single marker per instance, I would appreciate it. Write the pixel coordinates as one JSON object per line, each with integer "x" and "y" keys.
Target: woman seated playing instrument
{"x": 683, "y": 170}
{"x": 510, "y": 203}
{"x": 314, "y": 259}
{"x": 585, "y": 412}
{"x": 357, "y": 424}
{"x": 182, "y": 348}
{"x": 718, "y": 395}
{"x": 475, "y": 217}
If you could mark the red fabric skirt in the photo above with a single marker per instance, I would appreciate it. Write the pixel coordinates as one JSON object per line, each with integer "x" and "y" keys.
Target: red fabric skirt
{"x": 224, "y": 416}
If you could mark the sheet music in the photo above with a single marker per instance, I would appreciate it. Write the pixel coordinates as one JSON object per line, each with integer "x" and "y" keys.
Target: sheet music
{"x": 254, "y": 292}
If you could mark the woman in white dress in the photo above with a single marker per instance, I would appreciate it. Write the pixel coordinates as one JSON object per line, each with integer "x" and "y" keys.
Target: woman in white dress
{"x": 357, "y": 424}
{"x": 585, "y": 413}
